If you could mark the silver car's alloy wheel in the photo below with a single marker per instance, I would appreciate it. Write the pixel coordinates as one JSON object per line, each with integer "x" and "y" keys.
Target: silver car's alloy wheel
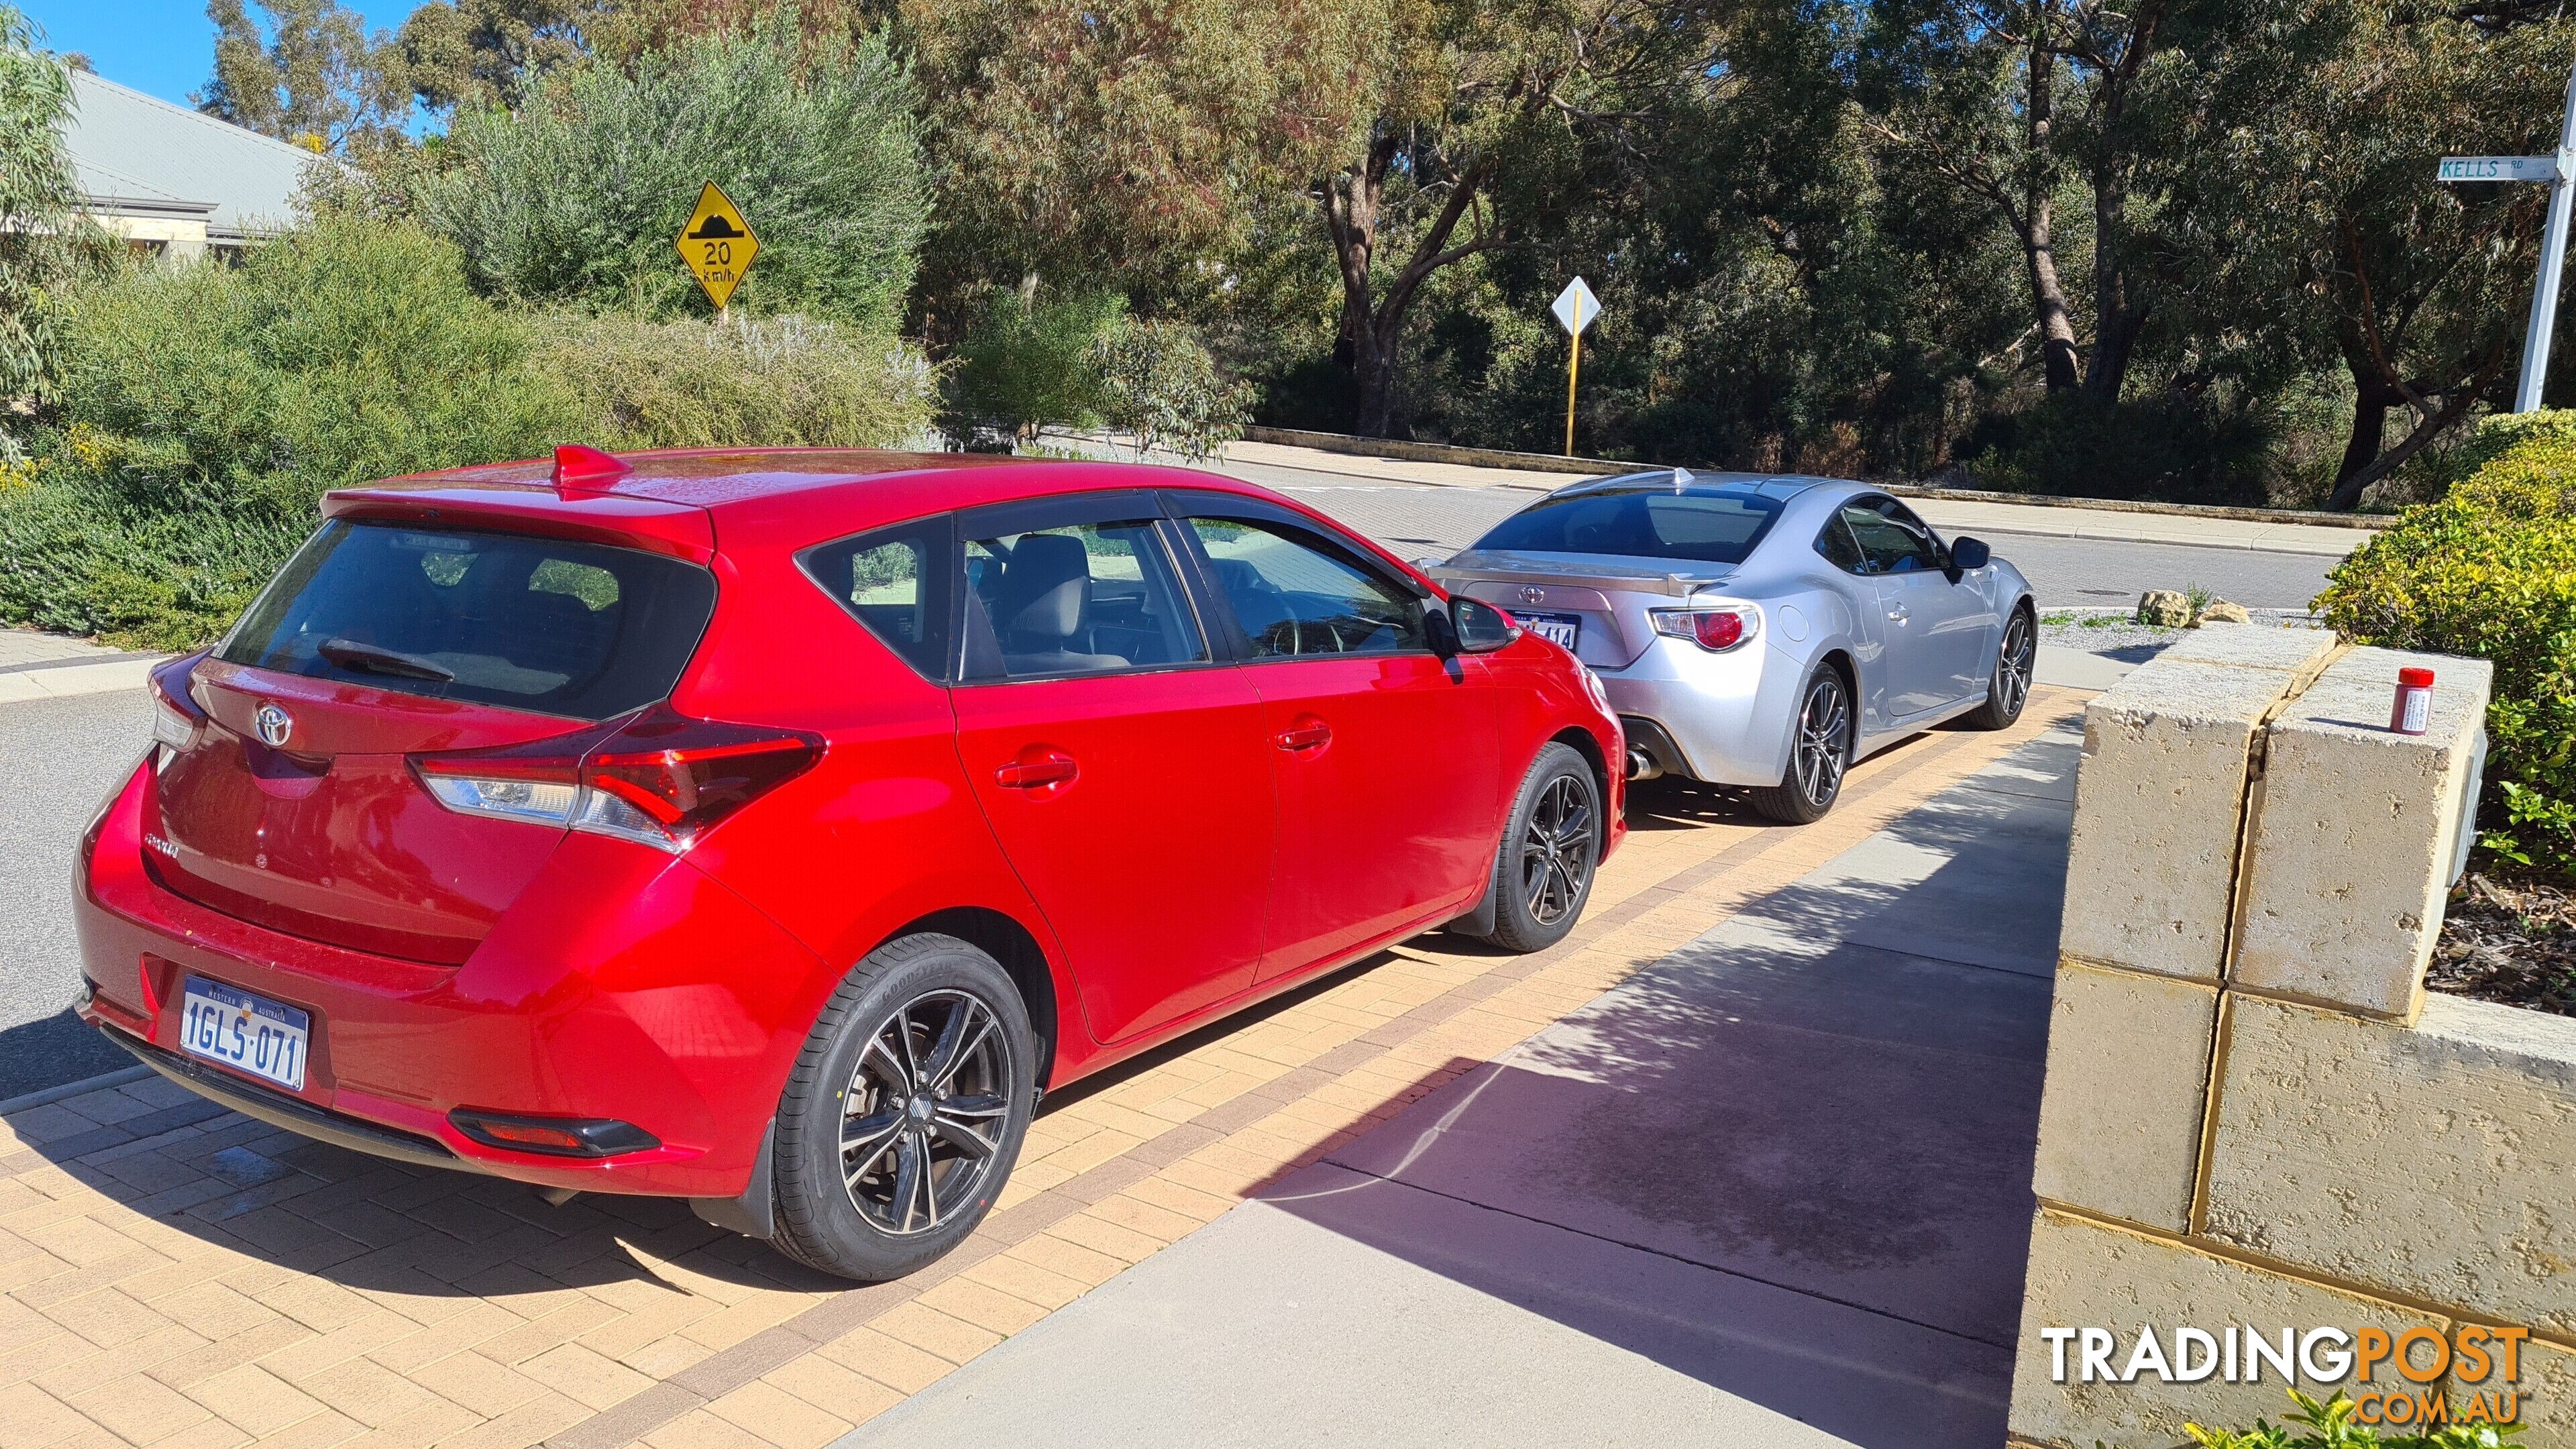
{"x": 1823, "y": 745}
{"x": 2013, "y": 665}
{"x": 922, "y": 1117}
{"x": 1556, "y": 851}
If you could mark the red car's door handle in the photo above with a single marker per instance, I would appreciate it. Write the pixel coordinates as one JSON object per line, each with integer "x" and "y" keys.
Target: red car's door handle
{"x": 1306, "y": 734}
{"x": 1053, "y": 768}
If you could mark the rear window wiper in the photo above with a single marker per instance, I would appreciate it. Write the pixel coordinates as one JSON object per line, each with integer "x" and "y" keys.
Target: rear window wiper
{"x": 350, "y": 654}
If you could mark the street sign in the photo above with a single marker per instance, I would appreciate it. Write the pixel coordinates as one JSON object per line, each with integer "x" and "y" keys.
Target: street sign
{"x": 2556, "y": 171}
{"x": 1575, "y": 307}
{"x": 2499, "y": 168}
{"x": 718, "y": 245}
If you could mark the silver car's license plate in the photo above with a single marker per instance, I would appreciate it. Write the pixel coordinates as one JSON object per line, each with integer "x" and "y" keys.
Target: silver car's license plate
{"x": 1554, "y": 628}
{"x": 249, "y": 1033}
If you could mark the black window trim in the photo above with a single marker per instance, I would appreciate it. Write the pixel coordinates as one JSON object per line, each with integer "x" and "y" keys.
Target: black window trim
{"x": 1181, "y": 505}
{"x": 1062, "y": 510}
{"x": 1940, "y": 550}
{"x": 1834, "y": 521}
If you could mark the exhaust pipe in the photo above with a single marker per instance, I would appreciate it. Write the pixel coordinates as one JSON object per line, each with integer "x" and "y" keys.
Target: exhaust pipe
{"x": 1642, "y": 766}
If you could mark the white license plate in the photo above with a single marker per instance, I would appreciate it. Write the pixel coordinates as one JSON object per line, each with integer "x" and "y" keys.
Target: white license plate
{"x": 249, "y": 1033}
{"x": 1554, "y": 628}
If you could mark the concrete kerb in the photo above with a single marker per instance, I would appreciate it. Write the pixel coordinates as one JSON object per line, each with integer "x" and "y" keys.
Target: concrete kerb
{"x": 104, "y": 1081}
{"x": 69, "y": 677}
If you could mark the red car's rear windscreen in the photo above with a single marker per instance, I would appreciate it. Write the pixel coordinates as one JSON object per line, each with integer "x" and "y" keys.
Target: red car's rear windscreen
{"x": 552, "y": 626}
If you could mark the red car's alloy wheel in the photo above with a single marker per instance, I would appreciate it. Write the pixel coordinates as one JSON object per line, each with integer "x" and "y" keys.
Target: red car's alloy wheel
{"x": 1557, "y": 850}
{"x": 922, "y": 1116}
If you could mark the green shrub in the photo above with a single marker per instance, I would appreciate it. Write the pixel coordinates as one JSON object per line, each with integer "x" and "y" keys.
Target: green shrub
{"x": 1081, "y": 361}
{"x": 46, "y": 240}
{"x": 348, "y": 350}
{"x": 577, "y": 196}
{"x": 779, "y": 382}
{"x": 1160, "y": 386}
{"x": 2460, "y": 454}
{"x": 205, "y": 409}
{"x": 2491, "y": 570}
{"x": 1025, "y": 362}
{"x": 81, "y": 554}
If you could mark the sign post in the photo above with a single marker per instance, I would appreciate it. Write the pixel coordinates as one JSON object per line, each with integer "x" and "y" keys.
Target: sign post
{"x": 2560, "y": 172}
{"x": 1575, "y": 309}
{"x": 718, "y": 246}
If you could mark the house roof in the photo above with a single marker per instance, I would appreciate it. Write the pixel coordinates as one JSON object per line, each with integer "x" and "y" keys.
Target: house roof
{"x": 138, "y": 154}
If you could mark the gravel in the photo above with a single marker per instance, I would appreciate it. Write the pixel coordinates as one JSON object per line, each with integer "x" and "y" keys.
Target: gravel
{"x": 2111, "y": 631}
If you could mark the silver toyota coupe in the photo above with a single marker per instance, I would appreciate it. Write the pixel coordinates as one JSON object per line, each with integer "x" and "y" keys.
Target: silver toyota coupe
{"x": 1761, "y": 631}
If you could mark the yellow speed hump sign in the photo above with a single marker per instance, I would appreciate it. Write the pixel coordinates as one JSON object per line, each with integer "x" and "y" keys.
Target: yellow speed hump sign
{"x": 718, "y": 244}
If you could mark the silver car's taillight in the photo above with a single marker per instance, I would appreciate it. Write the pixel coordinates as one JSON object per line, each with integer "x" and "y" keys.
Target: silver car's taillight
{"x": 1713, "y": 627}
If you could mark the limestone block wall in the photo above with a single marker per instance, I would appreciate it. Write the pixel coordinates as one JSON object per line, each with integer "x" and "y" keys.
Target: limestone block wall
{"x": 2254, "y": 1116}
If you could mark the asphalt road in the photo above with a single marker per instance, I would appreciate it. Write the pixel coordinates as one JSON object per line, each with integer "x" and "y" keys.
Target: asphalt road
{"x": 63, "y": 756}
{"x": 65, "y": 753}
{"x": 2065, "y": 572}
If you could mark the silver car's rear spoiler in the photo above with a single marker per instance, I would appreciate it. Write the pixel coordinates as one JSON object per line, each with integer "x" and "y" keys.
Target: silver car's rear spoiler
{"x": 1589, "y": 570}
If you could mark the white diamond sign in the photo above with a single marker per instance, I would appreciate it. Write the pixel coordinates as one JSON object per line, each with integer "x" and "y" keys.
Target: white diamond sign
{"x": 1576, "y": 307}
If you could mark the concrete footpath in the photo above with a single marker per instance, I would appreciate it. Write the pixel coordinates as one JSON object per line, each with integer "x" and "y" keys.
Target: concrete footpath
{"x": 36, "y": 665}
{"x": 1772, "y": 1190}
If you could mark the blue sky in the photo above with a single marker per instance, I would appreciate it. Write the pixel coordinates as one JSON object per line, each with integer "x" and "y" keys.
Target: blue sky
{"x": 164, "y": 47}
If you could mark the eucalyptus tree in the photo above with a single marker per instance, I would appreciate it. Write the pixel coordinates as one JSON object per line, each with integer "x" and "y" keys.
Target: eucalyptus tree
{"x": 2020, "y": 103}
{"x": 2298, "y": 197}
{"x": 492, "y": 51}
{"x": 42, "y": 245}
{"x": 311, "y": 75}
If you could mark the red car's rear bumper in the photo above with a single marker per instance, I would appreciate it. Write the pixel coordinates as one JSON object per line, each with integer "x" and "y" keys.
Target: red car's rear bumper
{"x": 624, "y": 984}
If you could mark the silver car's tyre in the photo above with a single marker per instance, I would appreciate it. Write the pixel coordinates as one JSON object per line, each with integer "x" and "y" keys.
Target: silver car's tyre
{"x": 2009, "y": 689}
{"x": 905, "y": 1112}
{"x": 1820, "y": 750}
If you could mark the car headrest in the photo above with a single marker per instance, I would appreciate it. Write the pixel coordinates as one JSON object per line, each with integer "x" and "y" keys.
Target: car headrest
{"x": 1045, "y": 589}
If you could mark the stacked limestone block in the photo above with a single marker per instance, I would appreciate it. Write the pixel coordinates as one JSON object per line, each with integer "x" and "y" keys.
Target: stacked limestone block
{"x": 2253, "y": 1114}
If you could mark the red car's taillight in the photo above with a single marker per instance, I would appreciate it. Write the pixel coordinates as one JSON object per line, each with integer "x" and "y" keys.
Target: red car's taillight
{"x": 658, "y": 778}
{"x": 175, "y": 717}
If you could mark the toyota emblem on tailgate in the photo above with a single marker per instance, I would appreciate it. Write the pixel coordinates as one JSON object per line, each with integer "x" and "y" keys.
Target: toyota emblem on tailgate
{"x": 1533, "y": 594}
{"x": 274, "y": 725}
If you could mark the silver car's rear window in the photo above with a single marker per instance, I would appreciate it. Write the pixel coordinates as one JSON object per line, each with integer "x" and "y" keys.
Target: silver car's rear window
{"x": 1699, "y": 525}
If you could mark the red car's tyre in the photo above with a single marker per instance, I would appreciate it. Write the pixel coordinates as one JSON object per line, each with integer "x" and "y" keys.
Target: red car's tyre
{"x": 905, "y": 1112}
{"x": 1543, "y": 873}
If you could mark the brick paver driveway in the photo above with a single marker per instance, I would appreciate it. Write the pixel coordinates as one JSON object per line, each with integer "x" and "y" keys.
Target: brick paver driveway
{"x": 172, "y": 1272}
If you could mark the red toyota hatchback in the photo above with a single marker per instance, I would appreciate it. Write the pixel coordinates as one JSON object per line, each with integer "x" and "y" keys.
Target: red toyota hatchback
{"x": 770, "y": 828}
